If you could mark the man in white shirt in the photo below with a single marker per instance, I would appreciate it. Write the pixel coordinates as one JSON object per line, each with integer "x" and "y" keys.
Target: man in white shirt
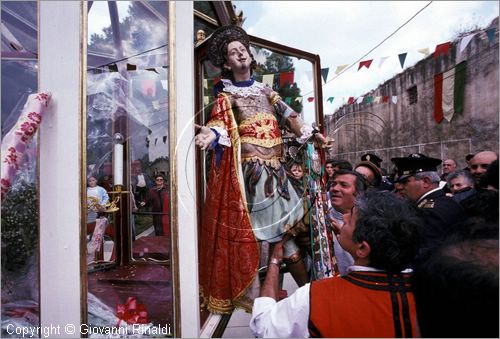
{"x": 380, "y": 233}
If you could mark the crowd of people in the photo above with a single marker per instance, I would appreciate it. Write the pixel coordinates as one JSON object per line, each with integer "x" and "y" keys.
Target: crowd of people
{"x": 388, "y": 233}
{"x": 431, "y": 241}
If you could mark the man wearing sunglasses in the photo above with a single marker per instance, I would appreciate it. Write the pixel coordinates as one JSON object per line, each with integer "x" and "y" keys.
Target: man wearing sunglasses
{"x": 418, "y": 176}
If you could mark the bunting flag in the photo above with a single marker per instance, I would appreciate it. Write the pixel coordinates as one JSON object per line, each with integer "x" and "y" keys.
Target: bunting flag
{"x": 324, "y": 73}
{"x": 330, "y": 99}
{"x": 424, "y": 51}
{"x": 298, "y": 99}
{"x": 156, "y": 104}
{"x": 113, "y": 68}
{"x": 449, "y": 88}
{"x": 340, "y": 68}
{"x": 268, "y": 79}
{"x": 310, "y": 99}
{"x": 377, "y": 99}
{"x": 442, "y": 49}
{"x": 402, "y": 58}
{"x": 206, "y": 100}
{"x": 394, "y": 99}
{"x": 205, "y": 84}
{"x": 382, "y": 60}
{"x": 360, "y": 100}
{"x": 465, "y": 41}
{"x": 365, "y": 63}
{"x": 385, "y": 99}
{"x": 491, "y": 34}
{"x": 131, "y": 67}
{"x": 286, "y": 77}
{"x": 288, "y": 100}
{"x": 369, "y": 99}
{"x": 164, "y": 84}
{"x": 152, "y": 69}
{"x": 350, "y": 101}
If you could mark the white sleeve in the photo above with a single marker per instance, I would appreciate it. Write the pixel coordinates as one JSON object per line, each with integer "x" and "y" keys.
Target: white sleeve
{"x": 224, "y": 136}
{"x": 286, "y": 318}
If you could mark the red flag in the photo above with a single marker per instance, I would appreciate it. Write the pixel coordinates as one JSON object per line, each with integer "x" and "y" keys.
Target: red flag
{"x": 438, "y": 97}
{"x": 350, "y": 101}
{"x": 365, "y": 63}
{"x": 310, "y": 99}
{"x": 286, "y": 77}
{"x": 442, "y": 49}
{"x": 386, "y": 98}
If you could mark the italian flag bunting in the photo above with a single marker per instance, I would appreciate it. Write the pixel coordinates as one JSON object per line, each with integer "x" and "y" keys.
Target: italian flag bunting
{"x": 449, "y": 88}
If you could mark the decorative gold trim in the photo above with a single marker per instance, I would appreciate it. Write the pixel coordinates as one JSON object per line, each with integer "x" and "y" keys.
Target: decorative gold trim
{"x": 268, "y": 143}
{"x": 172, "y": 123}
{"x": 83, "y": 161}
{"x": 274, "y": 162}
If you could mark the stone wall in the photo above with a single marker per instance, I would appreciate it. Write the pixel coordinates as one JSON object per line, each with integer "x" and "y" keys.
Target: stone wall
{"x": 391, "y": 130}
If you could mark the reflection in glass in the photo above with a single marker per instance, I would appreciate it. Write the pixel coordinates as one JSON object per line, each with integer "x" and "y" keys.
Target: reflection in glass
{"x": 127, "y": 93}
{"x": 19, "y": 225}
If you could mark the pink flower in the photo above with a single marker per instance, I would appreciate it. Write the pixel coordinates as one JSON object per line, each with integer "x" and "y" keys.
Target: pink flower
{"x": 43, "y": 97}
{"x": 27, "y": 130}
{"x": 36, "y": 117}
{"x": 5, "y": 185}
{"x": 11, "y": 158}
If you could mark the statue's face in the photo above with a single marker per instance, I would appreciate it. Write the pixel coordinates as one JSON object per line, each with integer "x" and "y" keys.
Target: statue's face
{"x": 238, "y": 58}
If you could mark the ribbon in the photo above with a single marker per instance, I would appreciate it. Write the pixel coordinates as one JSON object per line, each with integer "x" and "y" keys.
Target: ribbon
{"x": 132, "y": 312}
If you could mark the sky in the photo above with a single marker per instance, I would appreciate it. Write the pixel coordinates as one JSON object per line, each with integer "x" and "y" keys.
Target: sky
{"x": 341, "y": 32}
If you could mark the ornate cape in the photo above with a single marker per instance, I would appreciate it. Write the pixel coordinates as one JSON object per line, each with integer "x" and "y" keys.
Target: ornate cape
{"x": 229, "y": 253}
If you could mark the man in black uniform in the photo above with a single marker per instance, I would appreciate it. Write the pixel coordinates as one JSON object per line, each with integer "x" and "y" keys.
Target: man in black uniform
{"x": 418, "y": 175}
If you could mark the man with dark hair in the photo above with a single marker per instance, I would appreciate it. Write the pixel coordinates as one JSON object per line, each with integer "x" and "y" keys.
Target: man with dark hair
{"x": 456, "y": 290}
{"x": 418, "y": 175}
{"x": 345, "y": 187}
{"x": 373, "y": 300}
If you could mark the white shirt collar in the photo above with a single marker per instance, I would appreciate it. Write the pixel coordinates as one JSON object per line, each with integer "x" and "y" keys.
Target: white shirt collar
{"x": 426, "y": 194}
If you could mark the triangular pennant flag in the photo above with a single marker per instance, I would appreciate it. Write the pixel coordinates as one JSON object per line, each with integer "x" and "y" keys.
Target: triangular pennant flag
{"x": 382, "y": 60}
{"x": 369, "y": 99}
{"x": 377, "y": 99}
{"x": 164, "y": 84}
{"x": 424, "y": 51}
{"x": 131, "y": 67}
{"x": 113, "y": 68}
{"x": 324, "y": 73}
{"x": 268, "y": 80}
{"x": 152, "y": 69}
{"x": 491, "y": 34}
{"x": 360, "y": 100}
{"x": 350, "y": 101}
{"x": 443, "y": 48}
{"x": 286, "y": 77}
{"x": 365, "y": 63}
{"x": 330, "y": 99}
{"x": 394, "y": 99}
{"x": 310, "y": 99}
{"x": 465, "y": 41}
{"x": 205, "y": 83}
{"x": 340, "y": 68}
{"x": 299, "y": 99}
{"x": 206, "y": 100}
{"x": 164, "y": 139}
{"x": 402, "y": 58}
{"x": 385, "y": 98}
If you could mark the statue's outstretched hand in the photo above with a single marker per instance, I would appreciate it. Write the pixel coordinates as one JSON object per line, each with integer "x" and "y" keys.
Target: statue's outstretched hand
{"x": 204, "y": 137}
{"x": 324, "y": 142}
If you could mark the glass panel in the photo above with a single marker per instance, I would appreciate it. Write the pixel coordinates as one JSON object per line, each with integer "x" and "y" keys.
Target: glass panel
{"x": 129, "y": 244}
{"x": 19, "y": 225}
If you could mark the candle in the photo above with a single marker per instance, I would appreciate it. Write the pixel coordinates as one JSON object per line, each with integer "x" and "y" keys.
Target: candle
{"x": 118, "y": 164}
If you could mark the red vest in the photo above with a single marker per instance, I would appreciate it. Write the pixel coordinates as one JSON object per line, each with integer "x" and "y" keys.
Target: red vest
{"x": 362, "y": 304}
